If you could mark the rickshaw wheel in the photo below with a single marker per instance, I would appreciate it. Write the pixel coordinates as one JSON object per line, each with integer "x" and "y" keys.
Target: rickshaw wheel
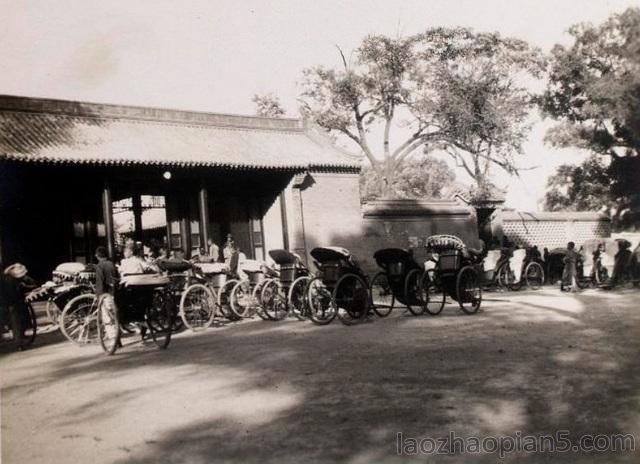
{"x": 413, "y": 292}
{"x": 503, "y": 277}
{"x": 257, "y": 297}
{"x": 534, "y": 275}
{"x": 79, "y": 319}
{"x": 322, "y": 309}
{"x": 224, "y": 299}
{"x": 274, "y": 300}
{"x": 240, "y": 299}
{"x": 351, "y": 298}
{"x": 296, "y": 299}
{"x": 197, "y": 307}
{"x": 53, "y": 313}
{"x": 436, "y": 295}
{"x": 159, "y": 317}
{"x": 108, "y": 324}
{"x": 469, "y": 290}
{"x": 382, "y": 297}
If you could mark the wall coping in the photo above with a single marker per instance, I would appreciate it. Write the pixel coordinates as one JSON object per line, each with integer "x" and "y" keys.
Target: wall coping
{"x": 414, "y": 208}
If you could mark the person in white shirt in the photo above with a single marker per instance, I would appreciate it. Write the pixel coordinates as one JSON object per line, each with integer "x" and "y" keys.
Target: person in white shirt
{"x": 131, "y": 264}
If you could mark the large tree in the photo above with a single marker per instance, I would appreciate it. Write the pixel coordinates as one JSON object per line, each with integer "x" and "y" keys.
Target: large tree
{"x": 268, "y": 106}
{"x": 594, "y": 93}
{"x": 448, "y": 89}
{"x": 419, "y": 177}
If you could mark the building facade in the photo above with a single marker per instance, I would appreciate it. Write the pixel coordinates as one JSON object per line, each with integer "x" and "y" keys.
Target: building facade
{"x": 76, "y": 175}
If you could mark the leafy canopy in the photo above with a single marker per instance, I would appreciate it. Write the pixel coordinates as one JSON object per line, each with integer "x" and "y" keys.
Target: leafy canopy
{"x": 447, "y": 88}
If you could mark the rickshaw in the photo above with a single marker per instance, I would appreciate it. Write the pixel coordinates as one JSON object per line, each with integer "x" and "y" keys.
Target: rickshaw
{"x": 521, "y": 270}
{"x": 458, "y": 273}
{"x": 198, "y": 303}
{"x": 340, "y": 288}
{"x": 68, "y": 280}
{"x": 244, "y": 298}
{"x": 400, "y": 280}
{"x": 285, "y": 293}
{"x": 145, "y": 299}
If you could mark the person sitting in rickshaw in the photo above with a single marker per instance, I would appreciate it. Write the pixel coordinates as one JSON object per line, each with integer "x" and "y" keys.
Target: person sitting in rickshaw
{"x": 132, "y": 264}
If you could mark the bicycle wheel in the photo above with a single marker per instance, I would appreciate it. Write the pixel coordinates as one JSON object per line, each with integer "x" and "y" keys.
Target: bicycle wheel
{"x": 469, "y": 290}
{"x": 382, "y": 297}
{"x": 351, "y": 298}
{"x": 296, "y": 299}
{"x": 436, "y": 295}
{"x": 241, "y": 300}
{"x": 108, "y": 324}
{"x": 53, "y": 313}
{"x": 534, "y": 275}
{"x": 224, "y": 299}
{"x": 414, "y": 292}
{"x": 274, "y": 298}
{"x": 197, "y": 307}
{"x": 322, "y": 309}
{"x": 79, "y": 319}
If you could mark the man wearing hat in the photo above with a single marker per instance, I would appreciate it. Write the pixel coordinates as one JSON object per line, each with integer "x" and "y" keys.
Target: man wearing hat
{"x": 14, "y": 285}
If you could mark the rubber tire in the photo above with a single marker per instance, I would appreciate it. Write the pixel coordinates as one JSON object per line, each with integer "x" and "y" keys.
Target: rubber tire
{"x": 69, "y": 307}
{"x": 161, "y": 337}
{"x": 224, "y": 301}
{"x": 241, "y": 312}
{"x": 109, "y": 350}
{"x": 437, "y": 302}
{"x": 472, "y": 309}
{"x": 534, "y": 285}
{"x": 346, "y": 317}
{"x": 303, "y": 313}
{"x": 257, "y": 297}
{"x": 312, "y": 313}
{"x": 274, "y": 313}
{"x": 211, "y": 302}
{"x": 381, "y": 310}
{"x": 419, "y": 309}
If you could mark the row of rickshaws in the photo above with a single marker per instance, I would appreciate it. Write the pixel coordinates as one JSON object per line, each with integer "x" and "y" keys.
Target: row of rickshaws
{"x": 195, "y": 294}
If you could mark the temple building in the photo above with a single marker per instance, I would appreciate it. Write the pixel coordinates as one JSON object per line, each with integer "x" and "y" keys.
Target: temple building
{"x": 76, "y": 175}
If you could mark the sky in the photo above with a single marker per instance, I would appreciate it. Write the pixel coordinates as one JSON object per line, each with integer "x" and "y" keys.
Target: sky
{"x": 215, "y": 55}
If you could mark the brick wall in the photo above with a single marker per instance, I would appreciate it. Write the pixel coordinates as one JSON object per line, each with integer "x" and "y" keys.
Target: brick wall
{"x": 328, "y": 206}
{"x": 553, "y": 230}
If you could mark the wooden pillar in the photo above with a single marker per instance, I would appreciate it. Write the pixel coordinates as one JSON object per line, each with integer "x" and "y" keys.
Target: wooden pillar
{"x": 107, "y": 212}
{"x": 136, "y": 206}
{"x": 285, "y": 223}
{"x": 203, "y": 209}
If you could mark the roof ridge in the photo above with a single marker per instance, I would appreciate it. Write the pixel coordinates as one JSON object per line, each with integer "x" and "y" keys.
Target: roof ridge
{"x": 108, "y": 110}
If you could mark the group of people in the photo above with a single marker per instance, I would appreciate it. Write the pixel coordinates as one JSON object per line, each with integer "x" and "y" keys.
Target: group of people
{"x": 626, "y": 264}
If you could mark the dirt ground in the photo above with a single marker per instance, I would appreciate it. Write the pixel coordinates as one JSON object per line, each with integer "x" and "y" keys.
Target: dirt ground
{"x": 529, "y": 362}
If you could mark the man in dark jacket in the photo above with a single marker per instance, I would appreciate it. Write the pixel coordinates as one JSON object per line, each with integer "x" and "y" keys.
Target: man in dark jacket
{"x": 14, "y": 286}
{"x": 106, "y": 273}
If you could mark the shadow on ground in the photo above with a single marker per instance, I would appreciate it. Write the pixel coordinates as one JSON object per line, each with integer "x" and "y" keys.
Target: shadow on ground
{"x": 294, "y": 392}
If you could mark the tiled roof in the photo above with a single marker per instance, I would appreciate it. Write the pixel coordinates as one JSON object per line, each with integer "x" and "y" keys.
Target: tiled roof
{"x": 56, "y": 131}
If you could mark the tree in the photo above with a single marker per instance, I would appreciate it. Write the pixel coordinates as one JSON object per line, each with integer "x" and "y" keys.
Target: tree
{"x": 585, "y": 187}
{"x": 449, "y": 89}
{"x": 420, "y": 177}
{"x": 594, "y": 93}
{"x": 268, "y": 106}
